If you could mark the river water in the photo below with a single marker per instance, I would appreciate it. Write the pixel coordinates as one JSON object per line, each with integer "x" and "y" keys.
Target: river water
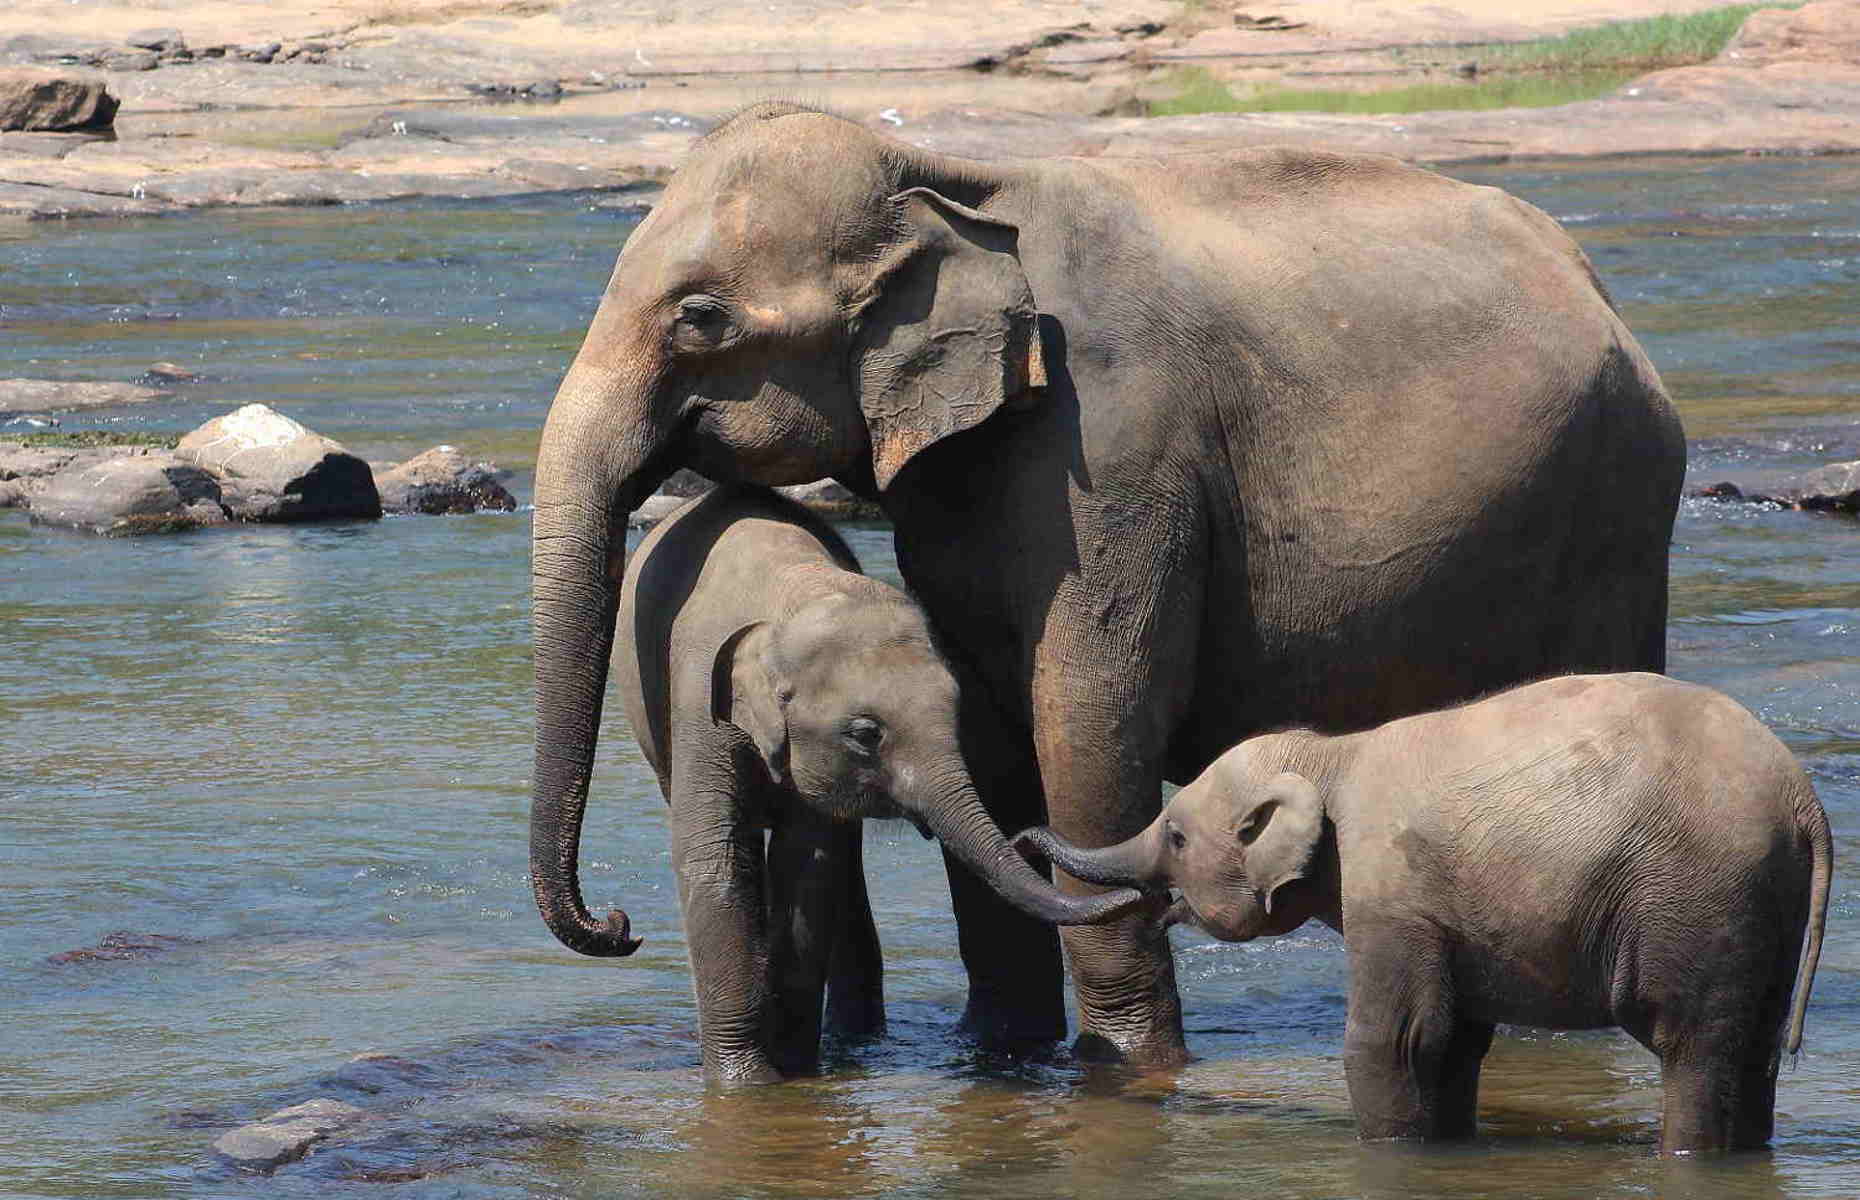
{"x": 293, "y": 762}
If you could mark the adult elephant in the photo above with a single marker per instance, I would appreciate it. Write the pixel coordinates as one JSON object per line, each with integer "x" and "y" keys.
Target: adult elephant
{"x": 1177, "y": 450}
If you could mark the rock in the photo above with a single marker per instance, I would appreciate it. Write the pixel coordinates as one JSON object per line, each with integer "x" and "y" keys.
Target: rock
{"x": 653, "y": 509}
{"x": 1833, "y": 488}
{"x": 147, "y": 493}
{"x": 273, "y": 469}
{"x": 158, "y": 40}
{"x": 825, "y": 497}
{"x": 129, "y": 60}
{"x": 684, "y": 482}
{"x": 833, "y": 501}
{"x": 36, "y": 99}
{"x": 119, "y": 945}
{"x": 162, "y": 374}
{"x": 285, "y": 1136}
{"x": 57, "y": 395}
{"x": 259, "y": 52}
{"x": 442, "y": 480}
{"x": 50, "y": 145}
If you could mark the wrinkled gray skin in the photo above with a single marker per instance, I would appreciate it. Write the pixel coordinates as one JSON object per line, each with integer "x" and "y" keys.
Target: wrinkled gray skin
{"x": 1176, "y": 451}
{"x": 1577, "y": 853}
{"x": 776, "y": 690}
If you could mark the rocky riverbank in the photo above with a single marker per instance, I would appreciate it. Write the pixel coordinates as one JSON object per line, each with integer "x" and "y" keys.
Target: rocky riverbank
{"x": 234, "y": 102}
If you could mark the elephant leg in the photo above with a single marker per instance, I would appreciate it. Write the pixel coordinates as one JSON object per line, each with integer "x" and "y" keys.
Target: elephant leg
{"x": 1720, "y": 1085}
{"x": 1459, "y": 1079}
{"x": 1104, "y": 717}
{"x": 804, "y": 917}
{"x": 718, "y": 861}
{"x": 1702, "y": 1086}
{"x": 1404, "y": 1052}
{"x": 1017, "y": 997}
{"x": 856, "y": 976}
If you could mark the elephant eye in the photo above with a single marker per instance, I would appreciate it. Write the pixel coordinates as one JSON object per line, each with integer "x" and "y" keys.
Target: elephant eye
{"x": 702, "y": 321}
{"x": 1177, "y": 839}
{"x": 865, "y": 733}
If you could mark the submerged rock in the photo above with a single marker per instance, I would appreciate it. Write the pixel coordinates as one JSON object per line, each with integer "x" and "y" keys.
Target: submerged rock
{"x": 442, "y": 480}
{"x": 286, "y": 1135}
{"x": 149, "y": 493}
{"x": 273, "y": 469}
{"x": 120, "y": 945}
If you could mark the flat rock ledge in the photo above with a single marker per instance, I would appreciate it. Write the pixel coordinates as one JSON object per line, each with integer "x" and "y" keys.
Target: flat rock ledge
{"x": 59, "y": 395}
{"x": 286, "y": 1135}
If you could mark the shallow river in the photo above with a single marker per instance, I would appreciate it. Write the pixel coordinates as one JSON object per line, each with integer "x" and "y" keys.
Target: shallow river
{"x": 302, "y": 755}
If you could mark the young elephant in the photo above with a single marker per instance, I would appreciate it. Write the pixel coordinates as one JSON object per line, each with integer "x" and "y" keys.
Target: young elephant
{"x": 774, "y": 688}
{"x": 1576, "y": 853}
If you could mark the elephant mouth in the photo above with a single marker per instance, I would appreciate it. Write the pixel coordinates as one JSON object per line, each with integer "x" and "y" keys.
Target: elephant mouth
{"x": 1179, "y": 912}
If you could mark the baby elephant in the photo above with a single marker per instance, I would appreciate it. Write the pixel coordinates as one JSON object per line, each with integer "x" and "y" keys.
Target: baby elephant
{"x": 1576, "y": 853}
{"x": 775, "y": 688}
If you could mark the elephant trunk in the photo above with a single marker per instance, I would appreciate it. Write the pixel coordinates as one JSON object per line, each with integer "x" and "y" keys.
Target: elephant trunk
{"x": 964, "y": 827}
{"x": 1137, "y": 862}
{"x": 588, "y": 480}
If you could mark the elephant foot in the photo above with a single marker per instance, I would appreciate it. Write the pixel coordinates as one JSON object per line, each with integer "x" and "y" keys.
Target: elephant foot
{"x": 1009, "y": 1028}
{"x": 1094, "y": 1047}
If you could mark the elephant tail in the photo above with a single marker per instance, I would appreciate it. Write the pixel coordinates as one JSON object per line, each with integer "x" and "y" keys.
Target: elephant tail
{"x": 1819, "y": 838}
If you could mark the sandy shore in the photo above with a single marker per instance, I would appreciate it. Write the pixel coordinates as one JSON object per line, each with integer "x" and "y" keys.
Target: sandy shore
{"x": 378, "y": 99}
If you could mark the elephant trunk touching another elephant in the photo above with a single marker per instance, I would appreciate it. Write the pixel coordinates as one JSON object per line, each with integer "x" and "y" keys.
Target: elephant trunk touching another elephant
{"x": 1576, "y": 853}
{"x": 781, "y": 697}
{"x": 1174, "y": 453}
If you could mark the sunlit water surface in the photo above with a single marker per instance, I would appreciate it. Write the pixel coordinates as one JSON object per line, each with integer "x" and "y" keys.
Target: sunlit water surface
{"x": 303, "y": 754}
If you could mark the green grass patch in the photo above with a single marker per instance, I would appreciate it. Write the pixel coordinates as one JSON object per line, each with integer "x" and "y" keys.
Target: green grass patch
{"x": 90, "y": 439}
{"x": 1580, "y": 65}
{"x": 1198, "y": 91}
{"x": 1670, "y": 40}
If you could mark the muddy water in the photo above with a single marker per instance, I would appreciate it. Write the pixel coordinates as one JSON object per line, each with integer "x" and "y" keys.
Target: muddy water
{"x": 300, "y": 756}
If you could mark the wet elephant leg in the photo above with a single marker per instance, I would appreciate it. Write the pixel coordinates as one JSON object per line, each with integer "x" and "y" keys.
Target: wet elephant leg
{"x": 718, "y": 861}
{"x": 1016, "y": 976}
{"x": 805, "y": 884}
{"x": 1105, "y": 704}
{"x": 1459, "y": 1079}
{"x": 856, "y": 976}
{"x": 1404, "y": 1052}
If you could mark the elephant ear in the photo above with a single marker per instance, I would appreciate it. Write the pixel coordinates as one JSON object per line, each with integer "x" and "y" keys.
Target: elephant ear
{"x": 1279, "y": 833}
{"x": 746, "y": 692}
{"x": 947, "y": 329}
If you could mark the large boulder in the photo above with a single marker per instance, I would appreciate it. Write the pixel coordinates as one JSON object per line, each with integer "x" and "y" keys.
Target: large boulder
{"x": 143, "y": 493}
{"x": 273, "y": 469}
{"x": 442, "y": 480}
{"x": 31, "y": 98}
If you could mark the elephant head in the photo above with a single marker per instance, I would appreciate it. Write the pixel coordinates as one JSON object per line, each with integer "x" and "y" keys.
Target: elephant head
{"x": 802, "y": 303}
{"x": 1232, "y": 848}
{"x": 849, "y": 704}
